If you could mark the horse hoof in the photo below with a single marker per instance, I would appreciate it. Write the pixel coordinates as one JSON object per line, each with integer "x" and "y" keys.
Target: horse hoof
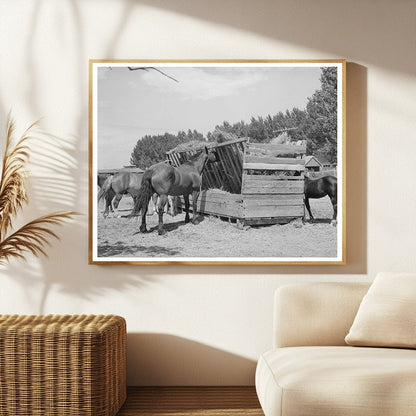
{"x": 143, "y": 230}
{"x": 162, "y": 232}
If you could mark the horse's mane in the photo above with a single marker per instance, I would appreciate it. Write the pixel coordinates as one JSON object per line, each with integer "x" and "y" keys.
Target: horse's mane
{"x": 194, "y": 157}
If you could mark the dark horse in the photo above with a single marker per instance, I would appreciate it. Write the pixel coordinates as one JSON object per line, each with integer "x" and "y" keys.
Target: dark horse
{"x": 165, "y": 179}
{"x": 115, "y": 186}
{"x": 318, "y": 188}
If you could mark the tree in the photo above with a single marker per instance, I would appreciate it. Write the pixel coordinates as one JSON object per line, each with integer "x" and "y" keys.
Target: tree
{"x": 152, "y": 149}
{"x": 321, "y": 122}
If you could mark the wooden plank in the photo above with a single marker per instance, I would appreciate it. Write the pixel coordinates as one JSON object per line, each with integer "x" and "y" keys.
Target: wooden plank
{"x": 272, "y": 153}
{"x": 276, "y": 211}
{"x": 227, "y": 170}
{"x": 281, "y": 177}
{"x": 268, "y": 220}
{"x": 273, "y": 160}
{"x": 231, "y": 168}
{"x": 238, "y": 152}
{"x": 217, "y": 195}
{"x": 279, "y": 148}
{"x": 244, "y": 176}
{"x": 272, "y": 200}
{"x": 231, "y": 142}
{"x": 270, "y": 166}
{"x": 279, "y": 187}
{"x": 282, "y": 185}
{"x": 213, "y": 176}
{"x": 279, "y": 183}
{"x": 236, "y": 157}
{"x": 225, "y": 208}
{"x": 276, "y": 203}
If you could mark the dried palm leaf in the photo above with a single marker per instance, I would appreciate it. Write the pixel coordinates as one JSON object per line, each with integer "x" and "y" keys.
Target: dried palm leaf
{"x": 12, "y": 183}
{"x": 33, "y": 237}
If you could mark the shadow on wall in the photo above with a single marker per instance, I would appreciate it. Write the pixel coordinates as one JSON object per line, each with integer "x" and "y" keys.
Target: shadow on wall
{"x": 161, "y": 359}
{"x": 60, "y": 181}
{"x": 339, "y": 28}
{"x": 54, "y": 187}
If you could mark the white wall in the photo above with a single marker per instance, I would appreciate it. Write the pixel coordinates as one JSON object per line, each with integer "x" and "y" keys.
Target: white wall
{"x": 204, "y": 325}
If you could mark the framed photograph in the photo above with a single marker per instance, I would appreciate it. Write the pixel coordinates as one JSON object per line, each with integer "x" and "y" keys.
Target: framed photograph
{"x": 217, "y": 162}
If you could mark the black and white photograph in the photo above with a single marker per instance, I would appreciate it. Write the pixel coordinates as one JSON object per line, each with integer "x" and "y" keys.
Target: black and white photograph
{"x": 208, "y": 162}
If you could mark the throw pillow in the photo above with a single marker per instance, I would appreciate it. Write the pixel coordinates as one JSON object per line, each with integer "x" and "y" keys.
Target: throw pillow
{"x": 387, "y": 314}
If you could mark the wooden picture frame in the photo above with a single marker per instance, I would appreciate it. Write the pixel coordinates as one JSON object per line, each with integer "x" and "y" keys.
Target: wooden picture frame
{"x": 262, "y": 131}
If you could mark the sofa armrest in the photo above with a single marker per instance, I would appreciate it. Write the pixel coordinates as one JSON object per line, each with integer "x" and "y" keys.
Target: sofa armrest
{"x": 315, "y": 313}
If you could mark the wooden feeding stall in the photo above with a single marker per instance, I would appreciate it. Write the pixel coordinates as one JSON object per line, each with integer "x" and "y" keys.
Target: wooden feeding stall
{"x": 252, "y": 183}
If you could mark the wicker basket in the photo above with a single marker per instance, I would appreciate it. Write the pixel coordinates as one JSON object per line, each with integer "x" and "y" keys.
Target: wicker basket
{"x": 52, "y": 365}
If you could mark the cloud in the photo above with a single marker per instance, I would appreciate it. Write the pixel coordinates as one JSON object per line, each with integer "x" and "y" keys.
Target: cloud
{"x": 204, "y": 83}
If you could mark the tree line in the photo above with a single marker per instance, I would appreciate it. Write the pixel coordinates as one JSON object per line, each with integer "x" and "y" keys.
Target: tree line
{"x": 317, "y": 124}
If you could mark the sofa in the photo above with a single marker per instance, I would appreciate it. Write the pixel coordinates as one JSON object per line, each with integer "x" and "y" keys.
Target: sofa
{"x": 312, "y": 371}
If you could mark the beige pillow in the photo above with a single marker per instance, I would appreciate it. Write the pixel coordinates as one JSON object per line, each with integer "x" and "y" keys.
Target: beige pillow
{"x": 387, "y": 314}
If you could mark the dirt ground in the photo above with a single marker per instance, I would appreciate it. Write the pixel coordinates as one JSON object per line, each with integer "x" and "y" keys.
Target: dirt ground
{"x": 214, "y": 237}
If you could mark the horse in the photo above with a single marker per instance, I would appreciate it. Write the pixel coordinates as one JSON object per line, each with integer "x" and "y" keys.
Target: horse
{"x": 318, "y": 188}
{"x": 103, "y": 178}
{"x": 117, "y": 185}
{"x": 165, "y": 179}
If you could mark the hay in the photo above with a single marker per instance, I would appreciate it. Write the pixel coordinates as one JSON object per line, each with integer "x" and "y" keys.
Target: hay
{"x": 218, "y": 191}
{"x": 192, "y": 146}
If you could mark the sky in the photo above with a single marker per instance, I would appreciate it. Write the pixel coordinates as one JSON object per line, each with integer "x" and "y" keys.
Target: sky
{"x": 132, "y": 104}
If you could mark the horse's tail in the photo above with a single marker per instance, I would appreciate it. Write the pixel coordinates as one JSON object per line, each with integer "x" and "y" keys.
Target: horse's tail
{"x": 145, "y": 194}
{"x": 105, "y": 189}
{"x": 334, "y": 182}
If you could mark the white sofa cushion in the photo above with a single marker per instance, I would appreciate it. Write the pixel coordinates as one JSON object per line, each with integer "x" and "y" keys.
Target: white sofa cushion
{"x": 387, "y": 314}
{"x": 315, "y": 314}
{"x": 341, "y": 381}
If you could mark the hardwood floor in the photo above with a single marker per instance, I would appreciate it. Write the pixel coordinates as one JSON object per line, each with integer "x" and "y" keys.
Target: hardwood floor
{"x": 187, "y": 401}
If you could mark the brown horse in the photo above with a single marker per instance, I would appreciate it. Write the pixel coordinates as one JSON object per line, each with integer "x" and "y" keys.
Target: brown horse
{"x": 103, "y": 179}
{"x": 115, "y": 186}
{"x": 165, "y": 180}
{"x": 318, "y": 188}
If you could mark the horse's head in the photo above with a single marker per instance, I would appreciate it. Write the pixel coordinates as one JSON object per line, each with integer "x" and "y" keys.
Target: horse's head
{"x": 212, "y": 155}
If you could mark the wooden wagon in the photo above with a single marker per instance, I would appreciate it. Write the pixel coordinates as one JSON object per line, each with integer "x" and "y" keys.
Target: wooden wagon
{"x": 252, "y": 183}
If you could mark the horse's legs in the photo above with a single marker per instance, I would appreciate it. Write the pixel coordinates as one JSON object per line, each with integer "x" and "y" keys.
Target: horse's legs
{"x": 143, "y": 228}
{"x": 154, "y": 204}
{"x": 195, "y": 195}
{"x": 108, "y": 206}
{"x": 161, "y": 208}
{"x": 116, "y": 200}
{"x": 174, "y": 205}
{"x": 186, "y": 199}
{"x": 335, "y": 206}
{"x": 171, "y": 205}
{"x": 308, "y": 207}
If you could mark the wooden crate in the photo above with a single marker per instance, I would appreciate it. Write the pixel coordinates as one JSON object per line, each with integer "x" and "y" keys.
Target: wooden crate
{"x": 252, "y": 182}
{"x": 272, "y": 183}
{"x": 226, "y": 174}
